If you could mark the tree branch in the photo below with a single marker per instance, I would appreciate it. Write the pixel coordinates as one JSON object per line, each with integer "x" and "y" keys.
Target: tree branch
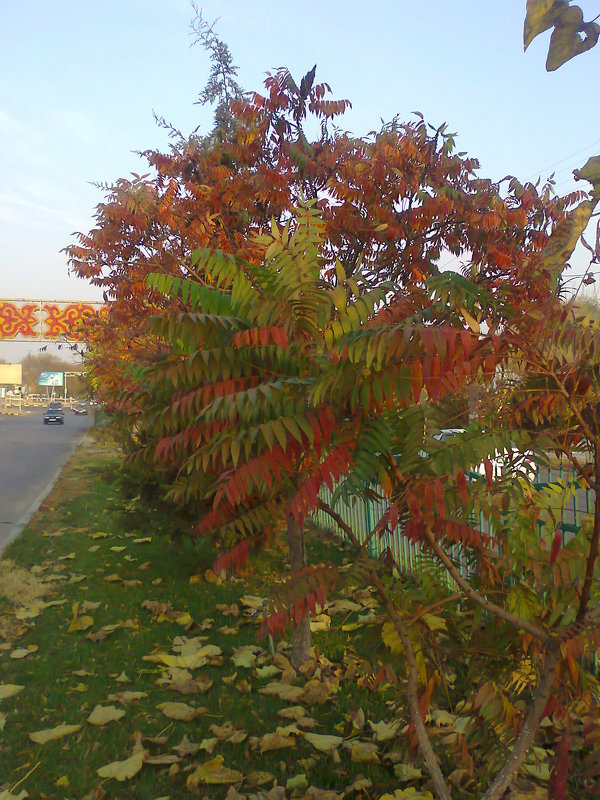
{"x": 529, "y": 729}
{"x": 474, "y": 595}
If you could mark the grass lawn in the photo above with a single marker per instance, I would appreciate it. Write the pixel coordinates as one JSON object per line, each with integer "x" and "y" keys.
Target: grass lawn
{"x": 100, "y": 607}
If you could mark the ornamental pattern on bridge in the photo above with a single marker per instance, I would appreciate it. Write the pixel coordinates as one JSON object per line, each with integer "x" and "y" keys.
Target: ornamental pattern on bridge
{"x": 41, "y": 320}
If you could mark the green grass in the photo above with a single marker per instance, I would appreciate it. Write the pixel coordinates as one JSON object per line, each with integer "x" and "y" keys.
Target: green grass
{"x": 92, "y": 498}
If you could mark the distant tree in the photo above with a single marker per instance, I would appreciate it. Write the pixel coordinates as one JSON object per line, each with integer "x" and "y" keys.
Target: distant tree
{"x": 47, "y": 362}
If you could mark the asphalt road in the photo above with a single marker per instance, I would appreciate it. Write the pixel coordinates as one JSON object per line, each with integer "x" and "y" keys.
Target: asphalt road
{"x": 31, "y": 454}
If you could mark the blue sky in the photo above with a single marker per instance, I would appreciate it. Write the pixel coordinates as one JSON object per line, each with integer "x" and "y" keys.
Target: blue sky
{"x": 79, "y": 80}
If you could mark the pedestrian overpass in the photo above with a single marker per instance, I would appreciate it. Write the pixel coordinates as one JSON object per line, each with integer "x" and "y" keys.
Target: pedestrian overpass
{"x": 45, "y": 320}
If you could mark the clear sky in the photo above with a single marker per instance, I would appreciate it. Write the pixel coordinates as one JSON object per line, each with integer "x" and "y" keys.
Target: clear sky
{"x": 80, "y": 79}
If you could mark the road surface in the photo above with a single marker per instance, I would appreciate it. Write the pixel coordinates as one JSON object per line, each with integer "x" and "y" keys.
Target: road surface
{"x": 31, "y": 454}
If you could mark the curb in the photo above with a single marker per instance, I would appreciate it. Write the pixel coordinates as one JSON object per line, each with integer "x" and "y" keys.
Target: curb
{"x": 15, "y": 530}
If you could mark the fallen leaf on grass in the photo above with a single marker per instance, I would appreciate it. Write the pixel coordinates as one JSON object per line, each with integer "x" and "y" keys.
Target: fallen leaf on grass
{"x": 228, "y": 733}
{"x": 358, "y": 785}
{"x": 127, "y": 697}
{"x": 316, "y": 691}
{"x": 186, "y": 748}
{"x": 35, "y": 609}
{"x": 228, "y": 611}
{"x": 88, "y": 605}
{"x": 114, "y": 578}
{"x": 191, "y": 661}
{"x": 180, "y": 711}
{"x": 165, "y": 758}
{"x": 276, "y": 741}
{"x": 141, "y": 539}
{"x": 324, "y": 743}
{"x": 245, "y": 656}
{"x": 99, "y": 535}
{"x": 79, "y": 623}
{"x": 285, "y": 691}
{"x": 213, "y": 772}
{"x": 253, "y": 602}
{"x": 268, "y": 671}
{"x": 123, "y": 770}
{"x": 343, "y": 607}
{"x": 20, "y": 652}
{"x": 102, "y": 715}
{"x": 406, "y": 772}
{"x": 118, "y": 548}
{"x": 50, "y": 734}
{"x": 228, "y": 631}
{"x": 298, "y": 715}
{"x": 322, "y": 622}
{"x": 384, "y": 731}
{"x": 6, "y": 794}
{"x": 123, "y": 678}
{"x": 363, "y": 752}
{"x": 297, "y": 783}
{"x": 93, "y": 548}
{"x": 258, "y": 778}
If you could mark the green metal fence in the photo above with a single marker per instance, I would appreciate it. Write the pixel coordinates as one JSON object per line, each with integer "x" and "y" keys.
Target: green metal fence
{"x": 570, "y": 503}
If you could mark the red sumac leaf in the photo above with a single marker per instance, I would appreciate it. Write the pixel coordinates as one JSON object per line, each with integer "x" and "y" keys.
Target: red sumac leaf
{"x": 438, "y": 496}
{"x": 556, "y": 545}
{"x": 489, "y": 470}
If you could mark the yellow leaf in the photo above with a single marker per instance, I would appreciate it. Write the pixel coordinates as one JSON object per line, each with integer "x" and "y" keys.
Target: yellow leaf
{"x": 470, "y": 320}
{"x": 123, "y": 770}
{"x": 62, "y": 782}
{"x": 257, "y": 778}
{"x": 50, "y": 734}
{"x": 79, "y": 623}
{"x": 213, "y": 772}
{"x": 127, "y": 697}
{"x": 285, "y": 691}
{"x": 361, "y": 752}
{"x": 20, "y": 652}
{"x": 276, "y": 741}
{"x": 320, "y": 623}
{"x": 323, "y": 742}
{"x": 297, "y": 783}
{"x": 6, "y": 794}
{"x": 268, "y": 671}
{"x": 384, "y": 731}
{"x": 244, "y": 656}
{"x": 180, "y": 711}
{"x": 102, "y": 715}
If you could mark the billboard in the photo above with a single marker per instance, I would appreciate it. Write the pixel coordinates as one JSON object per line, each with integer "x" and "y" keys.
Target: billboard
{"x": 11, "y": 373}
{"x": 51, "y": 379}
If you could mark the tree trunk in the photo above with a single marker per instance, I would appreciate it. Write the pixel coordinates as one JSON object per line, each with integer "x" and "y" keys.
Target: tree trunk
{"x": 301, "y": 634}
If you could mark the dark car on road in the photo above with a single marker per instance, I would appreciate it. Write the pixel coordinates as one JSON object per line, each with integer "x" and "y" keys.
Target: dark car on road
{"x": 54, "y": 414}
